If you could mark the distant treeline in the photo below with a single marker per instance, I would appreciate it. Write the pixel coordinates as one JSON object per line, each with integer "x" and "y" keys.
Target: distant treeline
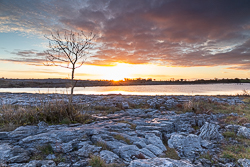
{"x": 215, "y": 80}
{"x": 51, "y": 83}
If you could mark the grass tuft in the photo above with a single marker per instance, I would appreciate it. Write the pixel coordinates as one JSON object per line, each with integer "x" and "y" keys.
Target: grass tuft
{"x": 171, "y": 153}
{"x": 120, "y": 137}
{"x": 103, "y": 145}
{"x": 56, "y": 112}
{"x": 96, "y": 161}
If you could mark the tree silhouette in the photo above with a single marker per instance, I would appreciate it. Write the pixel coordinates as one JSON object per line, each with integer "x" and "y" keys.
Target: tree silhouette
{"x": 68, "y": 49}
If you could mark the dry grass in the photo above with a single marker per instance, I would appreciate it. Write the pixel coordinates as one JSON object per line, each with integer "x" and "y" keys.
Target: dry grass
{"x": 55, "y": 112}
{"x": 209, "y": 107}
{"x": 103, "y": 145}
{"x": 120, "y": 137}
{"x": 171, "y": 153}
{"x": 96, "y": 161}
{"x": 235, "y": 151}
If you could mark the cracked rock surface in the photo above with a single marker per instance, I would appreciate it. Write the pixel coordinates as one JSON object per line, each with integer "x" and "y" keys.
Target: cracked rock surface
{"x": 130, "y": 137}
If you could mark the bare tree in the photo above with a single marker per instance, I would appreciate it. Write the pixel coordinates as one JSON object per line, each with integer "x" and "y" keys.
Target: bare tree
{"x": 68, "y": 49}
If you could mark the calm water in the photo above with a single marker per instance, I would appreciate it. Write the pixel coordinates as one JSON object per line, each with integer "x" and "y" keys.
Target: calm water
{"x": 201, "y": 89}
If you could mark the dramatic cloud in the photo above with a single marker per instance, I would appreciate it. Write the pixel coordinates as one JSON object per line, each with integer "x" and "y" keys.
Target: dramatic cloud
{"x": 31, "y": 57}
{"x": 166, "y": 32}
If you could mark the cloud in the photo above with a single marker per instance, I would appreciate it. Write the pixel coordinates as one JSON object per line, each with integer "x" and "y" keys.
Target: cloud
{"x": 38, "y": 71}
{"x": 31, "y": 57}
{"x": 167, "y": 32}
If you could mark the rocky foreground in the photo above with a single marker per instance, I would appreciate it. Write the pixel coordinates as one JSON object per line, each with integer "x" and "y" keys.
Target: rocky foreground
{"x": 129, "y": 137}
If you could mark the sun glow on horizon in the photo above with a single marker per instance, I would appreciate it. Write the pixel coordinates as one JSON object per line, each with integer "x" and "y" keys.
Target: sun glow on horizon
{"x": 118, "y": 72}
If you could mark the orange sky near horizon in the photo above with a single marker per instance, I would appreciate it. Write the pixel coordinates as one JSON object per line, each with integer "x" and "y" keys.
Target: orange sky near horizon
{"x": 120, "y": 71}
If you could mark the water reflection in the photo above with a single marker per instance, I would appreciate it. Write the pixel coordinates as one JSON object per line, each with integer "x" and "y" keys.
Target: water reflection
{"x": 202, "y": 89}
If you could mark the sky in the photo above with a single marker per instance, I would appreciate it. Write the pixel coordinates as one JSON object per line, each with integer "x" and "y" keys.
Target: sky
{"x": 159, "y": 39}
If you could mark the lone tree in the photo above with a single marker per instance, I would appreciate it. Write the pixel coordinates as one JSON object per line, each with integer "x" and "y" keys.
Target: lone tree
{"x": 68, "y": 49}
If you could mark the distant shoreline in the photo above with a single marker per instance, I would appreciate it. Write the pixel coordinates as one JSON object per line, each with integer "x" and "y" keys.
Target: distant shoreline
{"x": 65, "y": 83}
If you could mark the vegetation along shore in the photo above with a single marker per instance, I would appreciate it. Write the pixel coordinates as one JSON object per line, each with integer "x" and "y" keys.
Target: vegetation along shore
{"x": 62, "y": 83}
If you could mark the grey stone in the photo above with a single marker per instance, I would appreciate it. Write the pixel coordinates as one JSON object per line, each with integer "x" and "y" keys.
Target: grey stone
{"x": 127, "y": 152}
{"x": 101, "y": 138}
{"x": 13, "y": 154}
{"x": 135, "y": 112}
{"x": 155, "y": 150}
{"x": 159, "y": 162}
{"x": 3, "y": 135}
{"x": 148, "y": 128}
{"x": 67, "y": 147}
{"x": 247, "y": 125}
{"x": 115, "y": 146}
{"x": 245, "y": 132}
{"x": 62, "y": 164}
{"x": 22, "y": 132}
{"x": 187, "y": 146}
{"x": 41, "y": 163}
{"x": 125, "y": 105}
{"x": 82, "y": 163}
{"x": 147, "y": 153}
{"x": 40, "y": 140}
{"x": 234, "y": 128}
{"x": 153, "y": 139}
{"x": 88, "y": 149}
{"x": 42, "y": 125}
{"x": 167, "y": 127}
{"x": 14, "y": 165}
{"x": 244, "y": 162}
{"x": 51, "y": 157}
{"x": 5, "y": 150}
{"x": 120, "y": 126}
{"x": 66, "y": 135}
{"x": 210, "y": 131}
{"x": 231, "y": 164}
{"x": 140, "y": 144}
{"x": 206, "y": 144}
{"x": 183, "y": 127}
{"x": 109, "y": 157}
{"x": 205, "y": 162}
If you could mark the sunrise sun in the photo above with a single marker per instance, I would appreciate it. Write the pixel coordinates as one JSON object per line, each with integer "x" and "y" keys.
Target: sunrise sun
{"x": 118, "y": 72}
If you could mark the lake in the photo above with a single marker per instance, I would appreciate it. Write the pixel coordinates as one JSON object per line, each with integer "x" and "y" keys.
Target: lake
{"x": 197, "y": 89}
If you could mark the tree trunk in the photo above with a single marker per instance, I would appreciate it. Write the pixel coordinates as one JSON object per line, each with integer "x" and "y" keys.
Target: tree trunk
{"x": 72, "y": 81}
{"x": 71, "y": 92}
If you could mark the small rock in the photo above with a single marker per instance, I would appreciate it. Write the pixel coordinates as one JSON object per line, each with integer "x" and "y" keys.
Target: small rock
{"x": 234, "y": 128}
{"x": 62, "y": 164}
{"x": 109, "y": 157}
{"x": 187, "y": 146}
{"x": 147, "y": 153}
{"x": 247, "y": 125}
{"x": 41, "y": 163}
{"x": 159, "y": 162}
{"x": 81, "y": 163}
{"x": 206, "y": 144}
{"x": 156, "y": 150}
{"x": 3, "y": 135}
{"x": 128, "y": 152}
{"x": 244, "y": 162}
{"x": 245, "y": 132}
{"x": 205, "y": 162}
{"x": 153, "y": 139}
{"x": 125, "y": 105}
{"x": 51, "y": 157}
{"x": 88, "y": 149}
{"x": 210, "y": 131}
{"x": 42, "y": 125}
